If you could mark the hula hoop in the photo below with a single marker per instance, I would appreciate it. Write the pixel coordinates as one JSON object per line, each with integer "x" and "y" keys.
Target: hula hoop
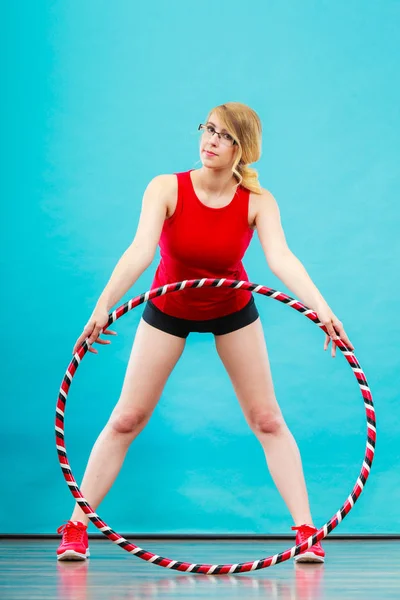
{"x": 206, "y": 568}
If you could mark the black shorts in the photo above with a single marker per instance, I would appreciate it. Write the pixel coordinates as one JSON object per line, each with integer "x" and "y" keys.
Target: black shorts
{"x": 182, "y": 327}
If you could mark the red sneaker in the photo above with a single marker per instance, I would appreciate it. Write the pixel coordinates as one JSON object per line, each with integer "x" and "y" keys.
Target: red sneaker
{"x": 314, "y": 553}
{"x": 75, "y": 544}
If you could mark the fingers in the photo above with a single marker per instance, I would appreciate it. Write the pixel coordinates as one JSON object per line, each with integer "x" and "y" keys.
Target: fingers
{"x": 90, "y": 342}
{"x": 326, "y": 344}
{"x": 333, "y": 336}
{"x": 335, "y": 330}
{"x": 99, "y": 340}
{"x": 343, "y": 336}
{"x": 331, "y": 330}
{"x": 79, "y": 341}
{"x": 92, "y": 335}
{"x": 327, "y": 341}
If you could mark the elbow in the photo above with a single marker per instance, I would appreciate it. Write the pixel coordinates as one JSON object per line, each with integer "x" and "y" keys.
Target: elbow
{"x": 278, "y": 261}
{"x": 147, "y": 258}
{"x": 274, "y": 268}
{"x": 142, "y": 253}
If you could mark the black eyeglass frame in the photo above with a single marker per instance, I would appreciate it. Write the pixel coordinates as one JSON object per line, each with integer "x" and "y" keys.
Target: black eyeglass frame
{"x": 219, "y": 133}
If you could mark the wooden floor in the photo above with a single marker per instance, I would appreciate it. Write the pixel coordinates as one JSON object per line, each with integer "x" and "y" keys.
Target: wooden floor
{"x": 353, "y": 569}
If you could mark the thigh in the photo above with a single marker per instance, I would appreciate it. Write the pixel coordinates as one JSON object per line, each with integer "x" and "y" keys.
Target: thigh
{"x": 245, "y": 357}
{"x": 153, "y": 356}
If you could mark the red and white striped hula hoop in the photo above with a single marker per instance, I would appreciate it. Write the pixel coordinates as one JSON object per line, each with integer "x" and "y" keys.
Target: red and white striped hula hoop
{"x": 205, "y": 568}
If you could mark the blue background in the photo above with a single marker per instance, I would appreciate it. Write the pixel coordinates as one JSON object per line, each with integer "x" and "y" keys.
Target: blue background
{"x": 101, "y": 98}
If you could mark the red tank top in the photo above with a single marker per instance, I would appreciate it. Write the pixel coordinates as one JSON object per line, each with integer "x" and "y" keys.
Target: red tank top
{"x": 200, "y": 241}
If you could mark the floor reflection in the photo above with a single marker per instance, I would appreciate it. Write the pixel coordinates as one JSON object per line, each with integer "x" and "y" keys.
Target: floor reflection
{"x": 76, "y": 581}
{"x": 354, "y": 569}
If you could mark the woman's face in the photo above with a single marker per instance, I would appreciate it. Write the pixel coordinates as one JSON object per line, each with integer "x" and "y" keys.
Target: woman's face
{"x": 217, "y": 151}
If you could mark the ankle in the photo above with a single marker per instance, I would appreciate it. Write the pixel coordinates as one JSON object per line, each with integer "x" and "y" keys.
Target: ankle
{"x": 304, "y": 521}
{"x": 79, "y": 519}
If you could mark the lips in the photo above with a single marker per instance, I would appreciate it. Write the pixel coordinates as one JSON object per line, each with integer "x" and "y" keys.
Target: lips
{"x": 209, "y": 152}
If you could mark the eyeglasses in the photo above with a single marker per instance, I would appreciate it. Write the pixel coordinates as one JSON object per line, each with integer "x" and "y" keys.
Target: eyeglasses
{"x": 209, "y": 131}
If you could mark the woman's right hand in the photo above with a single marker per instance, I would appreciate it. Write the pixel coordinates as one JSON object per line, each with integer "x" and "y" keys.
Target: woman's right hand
{"x": 93, "y": 329}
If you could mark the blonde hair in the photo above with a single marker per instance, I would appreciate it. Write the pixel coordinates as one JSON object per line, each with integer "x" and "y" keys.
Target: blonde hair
{"x": 244, "y": 125}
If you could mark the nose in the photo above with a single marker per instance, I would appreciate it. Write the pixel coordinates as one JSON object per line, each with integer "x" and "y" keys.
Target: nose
{"x": 212, "y": 138}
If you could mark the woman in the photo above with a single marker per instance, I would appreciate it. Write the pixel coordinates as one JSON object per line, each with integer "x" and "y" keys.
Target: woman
{"x": 203, "y": 220}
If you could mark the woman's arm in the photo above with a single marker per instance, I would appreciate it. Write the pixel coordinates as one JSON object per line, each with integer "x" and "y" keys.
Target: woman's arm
{"x": 139, "y": 255}
{"x": 136, "y": 258}
{"x": 285, "y": 265}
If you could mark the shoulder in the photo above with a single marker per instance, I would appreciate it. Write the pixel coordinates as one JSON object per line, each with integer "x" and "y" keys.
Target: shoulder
{"x": 162, "y": 192}
{"x": 262, "y": 204}
{"x": 264, "y": 197}
{"x": 164, "y": 184}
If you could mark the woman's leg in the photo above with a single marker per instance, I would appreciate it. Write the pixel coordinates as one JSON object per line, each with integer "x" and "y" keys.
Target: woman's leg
{"x": 244, "y": 355}
{"x": 153, "y": 357}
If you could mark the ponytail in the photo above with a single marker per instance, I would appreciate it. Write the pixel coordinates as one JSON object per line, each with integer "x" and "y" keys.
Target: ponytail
{"x": 247, "y": 177}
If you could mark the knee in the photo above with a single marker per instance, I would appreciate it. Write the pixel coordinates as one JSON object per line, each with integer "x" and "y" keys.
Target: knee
{"x": 128, "y": 422}
{"x": 268, "y": 422}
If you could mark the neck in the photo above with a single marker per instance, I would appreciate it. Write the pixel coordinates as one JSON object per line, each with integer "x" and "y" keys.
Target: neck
{"x": 214, "y": 181}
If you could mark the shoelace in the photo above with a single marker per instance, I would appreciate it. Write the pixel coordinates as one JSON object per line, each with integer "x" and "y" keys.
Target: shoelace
{"x": 72, "y": 532}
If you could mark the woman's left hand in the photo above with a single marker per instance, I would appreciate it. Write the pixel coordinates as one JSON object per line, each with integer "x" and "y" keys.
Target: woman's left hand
{"x": 334, "y": 328}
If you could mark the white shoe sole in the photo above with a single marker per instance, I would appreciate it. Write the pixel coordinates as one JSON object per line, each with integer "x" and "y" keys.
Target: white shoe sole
{"x": 309, "y": 557}
{"x": 72, "y": 555}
